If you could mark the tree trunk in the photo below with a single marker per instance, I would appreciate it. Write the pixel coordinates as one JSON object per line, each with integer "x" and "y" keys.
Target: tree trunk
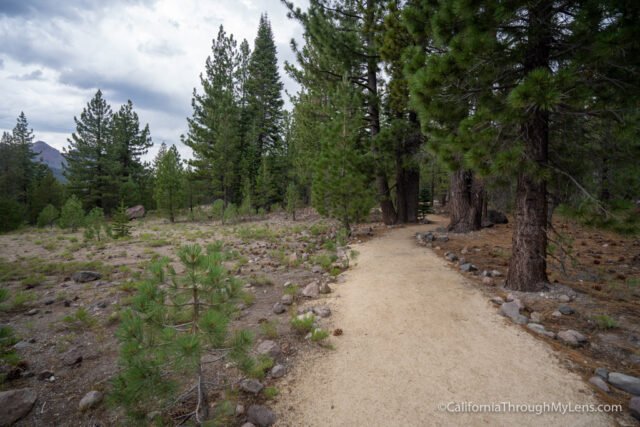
{"x": 465, "y": 202}
{"x": 373, "y": 112}
{"x": 528, "y": 264}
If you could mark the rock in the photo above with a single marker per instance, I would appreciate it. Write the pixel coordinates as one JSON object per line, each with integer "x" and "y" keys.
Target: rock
{"x": 278, "y": 371}
{"x": 496, "y": 217}
{"x": 487, "y": 281}
{"x": 311, "y": 290}
{"x": 566, "y": 310}
{"x": 151, "y": 416}
{"x": 136, "y": 211}
{"x": 564, "y": 298}
{"x": 21, "y": 345}
{"x": 270, "y": 348}
{"x": 625, "y": 382}
{"x": 72, "y": 357}
{"x": 602, "y": 373}
{"x": 261, "y": 416}
{"x": 450, "y": 256}
{"x": 512, "y": 311}
{"x": 322, "y": 311}
{"x": 278, "y": 308}
{"x": 32, "y": 312}
{"x": 539, "y": 329}
{"x": 287, "y": 299}
{"x": 287, "y": 284}
{"x": 536, "y": 317}
{"x": 251, "y": 386}
{"x": 556, "y": 314}
{"x": 468, "y": 267}
{"x": 15, "y": 404}
{"x": 85, "y": 276}
{"x": 571, "y": 337}
{"x": 443, "y": 238}
{"x": 497, "y": 300}
{"x": 600, "y": 383}
{"x": 248, "y": 425}
{"x": 90, "y": 400}
{"x": 495, "y": 273}
{"x": 324, "y": 288}
{"x": 316, "y": 269}
{"x": 45, "y": 375}
{"x": 634, "y": 407}
{"x": 464, "y": 251}
{"x": 239, "y": 409}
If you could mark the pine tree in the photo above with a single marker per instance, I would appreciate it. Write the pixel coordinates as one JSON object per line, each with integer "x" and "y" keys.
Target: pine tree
{"x": 264, "y": 101}
{"x": 120, "y": 223}
{"x": 169, "y": 181}
{"x": 48, "y": 216}
{"x": 71, "y": 214}
{"x": 172, "y": 323}
{"x": 94, "y": 224}
{"x": 22, "y": 140}
{"x": 45, "y": 190}
{"x": 89, "y": 163}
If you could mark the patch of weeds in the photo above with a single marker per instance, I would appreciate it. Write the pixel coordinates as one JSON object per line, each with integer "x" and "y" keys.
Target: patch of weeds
{"x": 128, "y": 287}
{"x": 260, "y": 280}
{"x": 156, "y": 243}
{"x": 261, "y": 365}
{"x": 324, "y": 260}
{"x": 318, "y": 334}
{"x": 269, "y": 329}
{"x": 7, "y": 352}
{"x": 81, "y": 319}
{"x": 291, "y": 290}
{"x": 353, "y": 255}
{"x": 242, "y": 260}
{"x": 33, "y": 280}
{"x": 318, "y": 229}
{"x": 255, "y": 233}
{"x": 50, "y": 246}
{"x": 247, "y": 298}
{"x": 604, "y": 321}
{"x": 303, "y": 324}
{"x": 270, "y": 392}
{"x": 20, "y": 301}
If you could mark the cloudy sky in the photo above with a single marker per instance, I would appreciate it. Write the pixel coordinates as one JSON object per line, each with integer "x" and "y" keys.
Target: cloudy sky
{"x": 55, "y": 54}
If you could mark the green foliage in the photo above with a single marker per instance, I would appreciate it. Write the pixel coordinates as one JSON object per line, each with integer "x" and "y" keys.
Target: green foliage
{"x": 269, "y": 329}
{"x": 270, "y": 392}
{"x": 48, "y": 216}
{"x": 94, "y": 224}
{"x": 120, "y": 223}
{"x": 605, "y": 322}
{"x": 304, "y": 323}
{"x": 172, "y": 321}
{"x": 80, "y": 320}
{"x": 230, "y": 214}
{"x": 169, "y": 180}
{"x": 620, "y": 217}
{"x": 293, "y": 200}
{"x": 217, "y": 210}
{"x": 318, "y": 335}
{"x": 72, "y": 214}
{"x": 11, "y": 214}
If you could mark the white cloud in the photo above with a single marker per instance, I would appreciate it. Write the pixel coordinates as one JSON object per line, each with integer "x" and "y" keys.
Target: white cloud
{"x": 150, "y": 52}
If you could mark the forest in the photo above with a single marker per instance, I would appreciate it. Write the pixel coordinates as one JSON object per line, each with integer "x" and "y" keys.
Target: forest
{"x": 479, "y": 110}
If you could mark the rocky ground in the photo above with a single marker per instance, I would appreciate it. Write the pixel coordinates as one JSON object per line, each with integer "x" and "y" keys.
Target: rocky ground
{"x": 65, "y": 295}
{"x": 590, "y": 313}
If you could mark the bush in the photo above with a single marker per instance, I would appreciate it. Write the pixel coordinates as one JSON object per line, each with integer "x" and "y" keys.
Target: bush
{"x": 11, "y": 215}
{"x": 72, "y": 214}
{"x": 217, "y": 210}
{"x": 94, "y": 224}
{"x": 304, "y": 323}
{"x": 48, "y": 216}
{"x": 230, "y": 214}
{"x": 120, "y": 227}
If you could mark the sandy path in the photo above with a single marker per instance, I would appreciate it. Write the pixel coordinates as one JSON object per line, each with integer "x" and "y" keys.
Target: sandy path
{"x": 415, "y": 336}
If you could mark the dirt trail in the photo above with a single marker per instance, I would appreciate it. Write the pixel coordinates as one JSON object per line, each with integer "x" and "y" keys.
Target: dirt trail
{"x": 416, "y": 336}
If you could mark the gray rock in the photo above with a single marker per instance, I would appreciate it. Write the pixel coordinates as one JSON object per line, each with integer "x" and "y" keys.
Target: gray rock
{"x": 564, "y": 298}
{"x": 566, "y": 310}
{"x": 512, "y": 311}
{"x": 497, "y": 300}
{"x": 625, "y": 382}
{"x": 443, "y": 238}
{"x": 32, "y": 312}
{"x": 450, "y": 256}
{"x": 312, "y": 290}
{"x": 247, "y": 424}
{"x": 316, "y": 269}
{"x": 15, "y": 404}
{"x": 239, "y": 409}
{"x": 322, "y": 311}
{"x": 21, "y": 345}
{"x": 539, "y": 329}
{"x": 468, "y": 267}
{"x": 324, "y": 288}
{"x": 135, "y": 212}
{"x": 90, "y": 400}
{"x": 45, "y": 375}
{"x": 270, "y": 348}
{"x": 571, "y": 337}
{"x": 251, "y": 386}
{"x": 261, "y": 416}
{"x": 600, "y": 383}
{"x": 72, "y": 357}
{"x": 85, "y": 276}
{"x": 536, "y": 317}
{"x": 278, "y": 371}
{"x": 287, "y": 299}
{"x": 634, "y": 407}
{"x": 495, "y": 273}
{"x": 556, "y": 314}
{"x": 602, "y": 373}
{"x": 278, "y": 308}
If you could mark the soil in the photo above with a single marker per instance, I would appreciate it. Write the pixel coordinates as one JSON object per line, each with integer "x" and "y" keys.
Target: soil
{"x": 416, "y": 333}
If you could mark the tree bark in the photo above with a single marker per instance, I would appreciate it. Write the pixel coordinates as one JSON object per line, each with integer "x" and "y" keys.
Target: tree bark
{"x": 465, "y": 204}
{"x": 528, "y": 264}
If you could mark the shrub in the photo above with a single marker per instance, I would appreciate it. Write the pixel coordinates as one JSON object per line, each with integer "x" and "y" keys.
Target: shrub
{"x": 319, "y": 334}
{"x": 48, "y": 216}
{"x": 217, "y": 210}
{"x": 605, "y": 322}
{"x": 230, "y": 214}
{"x": 120, "y": 227}
{"x": 304, "y": 323}
{"x": 72, "y": 214}
{"x": 94, "y": 224}
{"x": 11, "y": 214}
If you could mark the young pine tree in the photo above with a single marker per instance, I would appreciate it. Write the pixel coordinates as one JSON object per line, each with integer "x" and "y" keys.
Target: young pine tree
{"x": 172, "y": 323}
{"x": 169, "y": 180}
{"x": 120, "y": 223}
{"x": 48, "y": 216}
{"x": 71, "y": 214}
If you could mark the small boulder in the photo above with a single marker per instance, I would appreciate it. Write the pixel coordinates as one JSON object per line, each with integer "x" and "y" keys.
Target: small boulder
{"x": 278, "y": 371}
{"x": 322, "y": 311}
{"x": 539, "y": 329}
{"x": 566, "y": 310}
{"x": 136, "y": 211}
{"x": 556, "y": 314}
{"x": 600, "y": 383}
{"x": 278, "y": 308}
{"x": 270, "y": 348}
{"x": 571, "y": 337}
{"x": 287, "y": 299}
{"x": 15, "y": 404}
{"x": 625, "y": 382}
{"x": 85, "y": 276}
{"x": 634, "y": 407}
{"x": 251, "y": 386}
{"x": 602, "y": 373}
{"x": 450, "y": 256}
{"x": 512, "y": 310}
{"x": 324, "y": 288}
{"x": 312, "y": 290}
{"x": 90, "y": 400}
{"x": 316, "y": 269}
{"x": 468, "y": 267}
{"x": 495, "y": 273}
{"x": 497, "y": 300}
{"x": 261, "y": 416}
{"x": 487, "y": 281}
{"x": 564, "y": 298}
{"x": 239, "y": 409}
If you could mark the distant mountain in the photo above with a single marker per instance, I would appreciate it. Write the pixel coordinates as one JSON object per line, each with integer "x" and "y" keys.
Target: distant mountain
{"x": 51, "y": 157}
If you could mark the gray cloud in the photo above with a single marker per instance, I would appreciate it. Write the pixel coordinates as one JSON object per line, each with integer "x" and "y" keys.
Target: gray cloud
{"x": 1, "y": 63}
{"x": 70, "y": 9}
{"x": 34, "y": 75}
{"x": 160, "y": 48}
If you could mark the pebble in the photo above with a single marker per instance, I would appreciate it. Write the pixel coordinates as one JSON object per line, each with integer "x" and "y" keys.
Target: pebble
{"x": 564, "y": 298}
{"x": 468, "y": 267}
{"x": 600, "y": 383}
{"x": 90, "y": 400}
{"x": 32, "y": 312}
{"x": 270, "y": 348}
{"x": 566, "y": 310}
{"x": 512, "y": 310}
{"x": 324, "y": 288}
{"x": 312, "y": 290}
{"x": 322, "y": 311}
{"x": 251, "y": 386}
{"x": 287, "y": 299}
{"x": 261, "y": 416}
{"x": 602, "y": 373}
{"x": 497, "y": 300}
{"x": 278, "y": 371}
{"x": 571, "y": 337}
{"x": 278, "y": 308}
{"x": 634, "y": 407}
{"x": 556, "y": 314}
